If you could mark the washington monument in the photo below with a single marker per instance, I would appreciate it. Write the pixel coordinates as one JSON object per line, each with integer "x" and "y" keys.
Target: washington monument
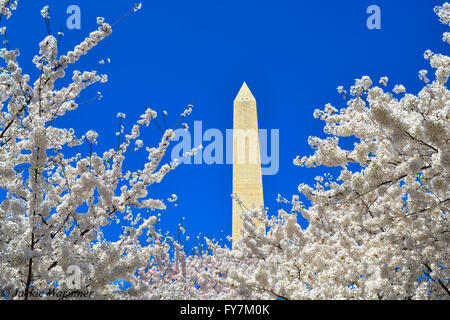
{"x": 247, "y": 179}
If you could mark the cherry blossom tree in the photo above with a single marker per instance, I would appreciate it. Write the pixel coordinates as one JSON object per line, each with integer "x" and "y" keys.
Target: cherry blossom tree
{"x": 380, "y": 231}
{"x": 56, "y": 199}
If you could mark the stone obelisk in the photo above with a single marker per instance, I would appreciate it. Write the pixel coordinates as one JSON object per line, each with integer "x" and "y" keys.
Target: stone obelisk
{"x": 247, "y": 179}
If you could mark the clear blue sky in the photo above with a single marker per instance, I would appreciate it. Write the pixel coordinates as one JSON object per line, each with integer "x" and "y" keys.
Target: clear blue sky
{"x": 292, "y": 54}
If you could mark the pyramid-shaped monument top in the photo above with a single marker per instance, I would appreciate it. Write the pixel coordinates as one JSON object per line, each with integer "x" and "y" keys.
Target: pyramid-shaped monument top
{"x": 244, "y": 94}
